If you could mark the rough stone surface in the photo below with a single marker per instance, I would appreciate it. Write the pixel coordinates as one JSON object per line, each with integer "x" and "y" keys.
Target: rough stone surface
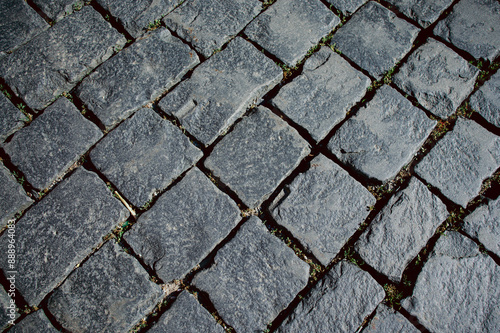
{"x": 209, "y": 24}
{"x": 338, "y": 303}
{"x": 257, "y": 155}
{"x": 383, "y": 136}
{"x": 35, "y": 322}
{"x": 461, "y": 160}
{"x": 60, "y": 231}
{"x": 425, "y": 12}
{"x": 466, "y": 297}
{"x": 388, "y": 320}
{"x": 288, "y": 29}
{"x": 347, "y": 7}
{"x": 319, "y": 98}
{"x": 11, "y": 119}
{"x": 437, "y": 77}
{"x": 58, "y": 9}
{"x": 322, "y": 207}
{"x": 255, "y": 276}
{"x": 375, "y": 39}
{"x": 52, "y": 143}
{"x": 221, "y": 89}
{"x": 484, "y": 224}
{"x": 401, "y": 229}
{"x": 6, "y": 314}
{"x": 486, "y": 101}
{"x": 111, "y": 292}
{"x": 144, "y": 155}
{"x": 184, "y": 225}
{"x": 13, "y": 199}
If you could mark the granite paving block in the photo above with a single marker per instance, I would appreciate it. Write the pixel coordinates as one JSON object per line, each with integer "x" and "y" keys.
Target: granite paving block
{"x": 347, "y": 7}
{"x": 58, "y": 9}
{"x": 425, "y": 12}
{"x": 257, "y": 156}
{"x": 322, "y": 207}
{"x": 288, "y": 29}
{"x": 136, "y": 76}
{"x": 52, "y": 143}
{"x": 209, "y": 24}
{"x": 484, "y": 224}
{"x": 388, "y": 320}
{"x": 437, "y": 77}
{"x": 13, "y": 198}
{"x": 111, "y": 292}
{"x": 383, "y": 136}
{"x": 220, "y": 90}
{"x": 8, "y": 309}
{"x": 183, "y": 226}
{"x": 60, "y": 231}
{"x": 461, "y": 160}
{"x": 11, "y": 119}
{"x": 401, "y": 229}
{"x": 486, "y": 101}
{"x": 338, "y": 303}
{"x": 254, "y": 277}
{"x": 35, "y": 322}
{"x": 458, "y": 289}
{"x": 319, "y": 98}
{"x": 375, "y": 39}
{"x": 58, "y": 58}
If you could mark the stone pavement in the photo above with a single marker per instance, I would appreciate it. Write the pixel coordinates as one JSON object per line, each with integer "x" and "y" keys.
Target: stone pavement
{"x": 250, "y": 166}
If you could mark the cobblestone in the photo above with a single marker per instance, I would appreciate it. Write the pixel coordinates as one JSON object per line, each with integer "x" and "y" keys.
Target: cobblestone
{"x": 424, "y": 12}
{"x": 35, "y": 322}
{"x": 484, "y": 224}
{"x": 486, "y": 101}
{"x": 58, "y": 9}
{"x": 11, "y": 119}
{"x": 13, "y": 199}
{"x": 388, "y": 320}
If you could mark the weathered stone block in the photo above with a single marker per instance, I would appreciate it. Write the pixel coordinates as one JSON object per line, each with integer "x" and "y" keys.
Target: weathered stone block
{"x": 425, "y": 12}
{"x": 13, "y": 199}
{"x": 486, "y": 101}
{"x": 35, "y": 322}
{"x": 58, "y": 9}
{"x": 484, "y": 225}
{"x": 11, "y": 119}
{"x": 347, "y": 7}
{"x": 388, "y": 320}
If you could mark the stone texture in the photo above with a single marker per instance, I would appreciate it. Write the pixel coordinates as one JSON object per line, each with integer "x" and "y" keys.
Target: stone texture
{"x": 484, "y": 224}
{"x": 375, "y": 39}
{"x": 220, "y": 90}
{"x": 60, "y": 231}
{"x": 338, "y": 303}
{"x": 257, "y": 156}
{"x": 52, "y": 143}
{"x": 347, "y": 7}
{"x": 136, "y": 76}
{"x": 111, "y": 292}
{"x": 322, "y": 207}
{"x": 35, "y": 322}
{"x": 8, "y": 310}
{"x": 425, "y": 12}
{"x": 184, "y": 226}
{"x": 11, "y": 119}
{"x": 38, "y": 74}
{"x": 254, "y": 277}
{"x": 13, "y": 199}
{"x": 319, "y": 98}
{"x": 401, "y": 229}
{"x": 388, "y": 320}
{"x": 461, "y": 160}
{"x": 288, "y": 29}
{"x": 458, "y": 289}
{"x": 437, "y": 77}
{"x": 209, "y": 24}
{"x": 58, "y": 9}
{"x": 383, "y": 136}
{"x": 486, "y": 101}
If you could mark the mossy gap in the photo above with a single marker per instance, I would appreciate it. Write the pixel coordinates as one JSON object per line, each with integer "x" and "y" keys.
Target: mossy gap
{"x": 204, "y": 299}
{"x": 19, "y": 300}
{"x": 266, "y": 3}
{"x": 414, "y": 320}
{"x": 150, "y": 270}
{"x": 482, "y": 248}
{"x": 31, "y": 191}
{"x": 115, "y": 23}
{"x": 39, "y": 11}
{"x": 54, "y": 321}
{"x": 18, "y": 102}
{"x": 84, "y": 110}
{"x": 193, "y": 49}
{"x": 367, "y": 320}
{"x": 336, "y": 11}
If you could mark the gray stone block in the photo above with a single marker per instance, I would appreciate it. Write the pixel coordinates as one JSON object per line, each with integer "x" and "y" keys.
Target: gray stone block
{"x": 486, "y": 101}
{"x": 388, "y": 320}
{"x": 8, "y": 309}
{"x": 35, "y": 322}
{"x": 338, "y": 303}
{"x": 257, "y": 156}
{"x": 383, "y": 136}
{"x": 347, "y": 7}
{"x": 288, "y": 29}
{"x": 319, "y": 98}
{"x": 425, "y": 12}
{"x": 375, "y": 39}
{"x": 322, "y": 207}
{"x": 11, "y": 119}
{"x": 144, "y": 155}
{"x": 52, "y": 143}
{"x": 484, "y": 225}
{"x": 58, "y": 9}
{"x": 184, "y": 226}
{"x": 401, "y": 229}
{"x": 458, "y": 289}
{"x": 255, "y": 276}
{"x": 461, "y": 160}
{"x": 58, "y": 58}
{"x": 60, "y": 231}
{"x": 437, "y": 77}
{"x": 209, "y": 24}
{"x": 111, "y": 292}
{"x": 13, "y": 199}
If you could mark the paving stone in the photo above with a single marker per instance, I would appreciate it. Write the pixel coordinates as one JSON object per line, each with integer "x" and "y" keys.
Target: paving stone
{"x": 257, "y": 156}
{"x": 375, "y": 39}
{"x": 383, "y": 136}
{"x": 425, "y": 12}
{"x": 111, "y": 292}
{"x": 486, "y": 101}
{"x": 58, "y": 9}
{"x": 38, "y": 74}
{"x": 319, "y": 98}
{"x": 347, "y": 7}
{"x": 401, "y": 229}
{"x": 288, "y": 29}
{"x": 144, "y": 155}
{"x": 8, "y": 309}
{"x": 13, "y": 199}
{"x": 461, "y": 160}
{"x": 484, "y": 225}
{"x": 136, "y": 76}
{"x": 35, "y": 322}
{"x": 458, "y": 289}
{"x": 60, "y": 231}
{"x": 473, "y": 26}
{"x": 52, "y": 143}
{"x": 255, "y": 276}
{"x": 11, "y": 119}
{"x": 209, "y": 24}
{"x": 322, "y": 207}
{"x": 338, "y": 303}
{"x": 437, "y": 77}
{"x": 388, "y": 320}
{"x": 184, "y": 226}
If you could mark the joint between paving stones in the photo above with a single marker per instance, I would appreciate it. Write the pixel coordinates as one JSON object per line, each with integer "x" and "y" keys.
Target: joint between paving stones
{"x": 115, "y": 23}
{"x": 40, "y": 12}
